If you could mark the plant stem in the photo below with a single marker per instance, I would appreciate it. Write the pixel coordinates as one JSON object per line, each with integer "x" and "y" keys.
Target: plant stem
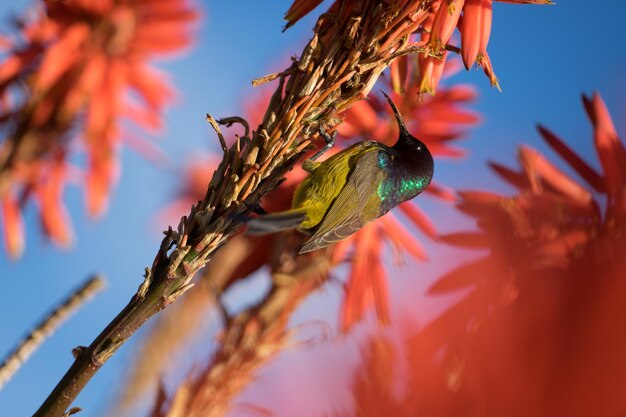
{"x": 88, "y": 360}
{"x": 152, "y": 296}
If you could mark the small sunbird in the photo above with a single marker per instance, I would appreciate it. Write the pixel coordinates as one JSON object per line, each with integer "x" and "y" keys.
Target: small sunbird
{"x": 352, "y": 188}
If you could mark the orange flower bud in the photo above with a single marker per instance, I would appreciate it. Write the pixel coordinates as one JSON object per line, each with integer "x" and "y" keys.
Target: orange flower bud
{"x": 399, "y": 70}
{"x": 430, "y": 71}
{"x": 445, "y": 21}
{"x": 13, "y": 226}
{"x": 485, "y": 62}
{"x": 475, "y": 29}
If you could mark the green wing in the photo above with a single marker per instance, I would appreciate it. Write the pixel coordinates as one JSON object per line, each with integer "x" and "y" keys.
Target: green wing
{"x": 356, "y": 205}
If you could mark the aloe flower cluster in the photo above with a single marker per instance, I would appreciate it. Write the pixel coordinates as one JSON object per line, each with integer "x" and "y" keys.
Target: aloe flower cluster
{"x": 434, "y": 31}
{"x": 66, "y": 79}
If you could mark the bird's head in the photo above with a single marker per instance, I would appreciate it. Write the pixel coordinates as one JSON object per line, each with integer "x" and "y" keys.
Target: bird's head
{"x": 410, "y": 148}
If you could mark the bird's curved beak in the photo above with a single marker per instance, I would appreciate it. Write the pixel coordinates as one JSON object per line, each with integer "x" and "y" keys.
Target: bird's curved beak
{"x": 403, "y": 130}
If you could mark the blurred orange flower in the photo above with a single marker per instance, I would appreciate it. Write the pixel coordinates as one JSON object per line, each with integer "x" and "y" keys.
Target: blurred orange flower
{"x": 554, "y": 219}
{"x": 540, "y": 331}
{"x": 70, "y": 74}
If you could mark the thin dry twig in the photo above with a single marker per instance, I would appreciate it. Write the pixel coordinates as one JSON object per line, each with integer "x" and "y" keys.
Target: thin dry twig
{"x": 338, "y": 67}
{"x": 47, "y": 327}
{"x": 270, "y": 77}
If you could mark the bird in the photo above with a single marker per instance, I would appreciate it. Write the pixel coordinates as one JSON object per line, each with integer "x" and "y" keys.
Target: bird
{"x": 351, "y": 188}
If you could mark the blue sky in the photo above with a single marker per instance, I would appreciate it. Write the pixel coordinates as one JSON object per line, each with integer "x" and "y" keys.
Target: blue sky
{"x": 545, "y": 57}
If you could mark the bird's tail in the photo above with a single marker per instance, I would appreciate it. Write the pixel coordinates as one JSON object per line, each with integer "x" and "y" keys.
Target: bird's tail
{"x": 275, "y": 222}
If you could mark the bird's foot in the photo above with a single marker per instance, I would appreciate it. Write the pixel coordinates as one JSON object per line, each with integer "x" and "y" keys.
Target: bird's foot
{"x": 255, "y": 208}
{"x": 330, "y": 141}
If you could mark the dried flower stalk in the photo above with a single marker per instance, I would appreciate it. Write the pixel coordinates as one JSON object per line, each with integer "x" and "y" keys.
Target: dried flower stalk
{"x": 251, "y": 339}
{"x": 339, "y": 66}
{"x": 181, "y": 323}
{"x": 47, "y": 327}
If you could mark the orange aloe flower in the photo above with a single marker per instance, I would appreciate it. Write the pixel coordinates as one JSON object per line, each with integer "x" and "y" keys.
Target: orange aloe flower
{"x": 549, "y": 291}
{"x": 434, "y": 29}
{"x": 553, "y": 217}
{"x": 69, "y": 76}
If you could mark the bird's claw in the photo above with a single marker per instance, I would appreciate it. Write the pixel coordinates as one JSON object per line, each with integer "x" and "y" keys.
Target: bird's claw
{"x": 330, "y": 141}
{"x": 255, "y": 208}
